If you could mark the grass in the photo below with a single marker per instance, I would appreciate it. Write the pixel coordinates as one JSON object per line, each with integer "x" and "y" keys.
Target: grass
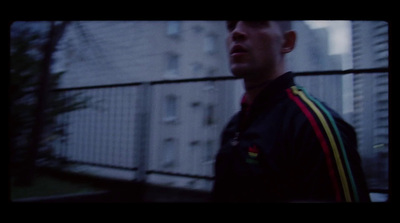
{"x": 47, "y": 185}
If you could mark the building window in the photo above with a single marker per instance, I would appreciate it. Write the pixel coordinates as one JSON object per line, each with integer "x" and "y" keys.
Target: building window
{"x": 209, "y": 118}
{"x": 198, "y": 29}
{"x": 210, "y": 44}
{"x": 193, "y": 159}
{"x": 168, "y": 153}
{"x": 173, "y": 28}
{"x": 210, "y": 85}
{"x": 172, "y": 65}
{"x": 209, "y": 152}
{"x": 170, "y": 111}
{"x": 197, "y": 69}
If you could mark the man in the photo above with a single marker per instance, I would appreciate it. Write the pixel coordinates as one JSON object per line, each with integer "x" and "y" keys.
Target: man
{"x": 284, "y": 145}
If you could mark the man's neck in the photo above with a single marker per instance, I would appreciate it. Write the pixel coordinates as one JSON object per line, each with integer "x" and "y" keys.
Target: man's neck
{"x": 254, "y": 86}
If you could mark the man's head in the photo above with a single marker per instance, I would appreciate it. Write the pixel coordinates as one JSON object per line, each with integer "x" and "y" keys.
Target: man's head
{"x": 257, "y": 48}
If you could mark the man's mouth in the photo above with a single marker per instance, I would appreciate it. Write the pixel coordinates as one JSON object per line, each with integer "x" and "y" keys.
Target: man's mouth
{"x": 238, "y": 50}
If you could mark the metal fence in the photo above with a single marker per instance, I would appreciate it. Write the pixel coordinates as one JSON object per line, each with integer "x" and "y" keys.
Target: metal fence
{"x": 102, "y": 134}
{"x": 122, "y": 129}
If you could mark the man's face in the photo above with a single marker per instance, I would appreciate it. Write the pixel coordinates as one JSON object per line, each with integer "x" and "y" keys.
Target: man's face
{"x": 254, "y": 47}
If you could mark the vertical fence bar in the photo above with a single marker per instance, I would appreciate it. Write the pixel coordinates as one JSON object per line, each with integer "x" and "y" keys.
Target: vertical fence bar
{"x": 141, "y": 130}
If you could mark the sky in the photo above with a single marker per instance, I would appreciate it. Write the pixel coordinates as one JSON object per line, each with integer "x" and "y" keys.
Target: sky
{"x": 340, "y": 43}
{"x": 339, "y": 34}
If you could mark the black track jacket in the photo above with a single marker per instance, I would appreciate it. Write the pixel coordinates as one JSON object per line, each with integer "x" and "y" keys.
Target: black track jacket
{"x": 289, "y": 147}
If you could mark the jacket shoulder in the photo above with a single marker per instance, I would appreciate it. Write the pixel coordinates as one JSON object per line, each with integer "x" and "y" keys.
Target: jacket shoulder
{"x": 338, "y": 142}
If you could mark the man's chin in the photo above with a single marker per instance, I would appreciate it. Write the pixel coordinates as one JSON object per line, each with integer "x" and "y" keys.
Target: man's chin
{"x": 240, "y": 71}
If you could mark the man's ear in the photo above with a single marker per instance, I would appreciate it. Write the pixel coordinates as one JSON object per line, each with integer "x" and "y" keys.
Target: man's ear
{"x": 290, "y": 41}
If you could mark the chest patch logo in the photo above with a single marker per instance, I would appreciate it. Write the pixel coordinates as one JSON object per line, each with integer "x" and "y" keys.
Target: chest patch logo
{"x": 252, "y": 152}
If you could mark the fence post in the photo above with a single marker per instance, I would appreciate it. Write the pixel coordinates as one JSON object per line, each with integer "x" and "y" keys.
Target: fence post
{"x": 142, "y": 130}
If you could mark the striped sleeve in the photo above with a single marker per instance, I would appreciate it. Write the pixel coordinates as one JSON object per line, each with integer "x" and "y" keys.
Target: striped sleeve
{"x": 331, "y": 142}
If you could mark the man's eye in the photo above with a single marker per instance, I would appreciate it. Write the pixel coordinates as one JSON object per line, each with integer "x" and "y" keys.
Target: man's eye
{"x": 230, "y": 25}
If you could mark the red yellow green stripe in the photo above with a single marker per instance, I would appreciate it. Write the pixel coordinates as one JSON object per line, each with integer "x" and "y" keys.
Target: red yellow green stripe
{"x": 302, "y": 100}
{"x": 341, "y": 145}
{"x": 322, "y": 141}
{"x": 253, "y": 154}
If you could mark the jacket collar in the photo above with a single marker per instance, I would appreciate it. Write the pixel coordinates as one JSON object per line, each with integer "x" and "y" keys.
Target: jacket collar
{"x": 272, "y": 89}
{"x": 272, "y": 93}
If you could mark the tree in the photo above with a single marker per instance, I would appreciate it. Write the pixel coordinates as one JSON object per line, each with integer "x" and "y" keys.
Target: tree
{"x": 33, "y": 106}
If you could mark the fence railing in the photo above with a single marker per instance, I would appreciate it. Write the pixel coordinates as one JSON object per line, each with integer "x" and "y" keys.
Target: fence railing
{"x": 124, "y": 128}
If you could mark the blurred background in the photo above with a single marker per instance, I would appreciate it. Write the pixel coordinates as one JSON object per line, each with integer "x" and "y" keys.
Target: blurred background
{"x": 133, "y": 110}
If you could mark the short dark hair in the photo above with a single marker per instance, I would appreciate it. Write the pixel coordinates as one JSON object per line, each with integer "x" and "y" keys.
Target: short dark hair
{"x": 285, "y": 25}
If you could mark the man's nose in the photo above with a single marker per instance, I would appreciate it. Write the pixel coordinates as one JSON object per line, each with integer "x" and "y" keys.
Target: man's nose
{"x": 239, "y": 33}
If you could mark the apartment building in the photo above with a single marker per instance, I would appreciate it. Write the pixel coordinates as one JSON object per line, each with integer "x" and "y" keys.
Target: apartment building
{"x": 184, "y": 120}
{"x": 371, "y": 99}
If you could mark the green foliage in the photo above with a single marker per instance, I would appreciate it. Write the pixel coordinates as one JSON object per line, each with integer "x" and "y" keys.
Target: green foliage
{"x": 26, "y": 65}
{"x": 48, "y": 185}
